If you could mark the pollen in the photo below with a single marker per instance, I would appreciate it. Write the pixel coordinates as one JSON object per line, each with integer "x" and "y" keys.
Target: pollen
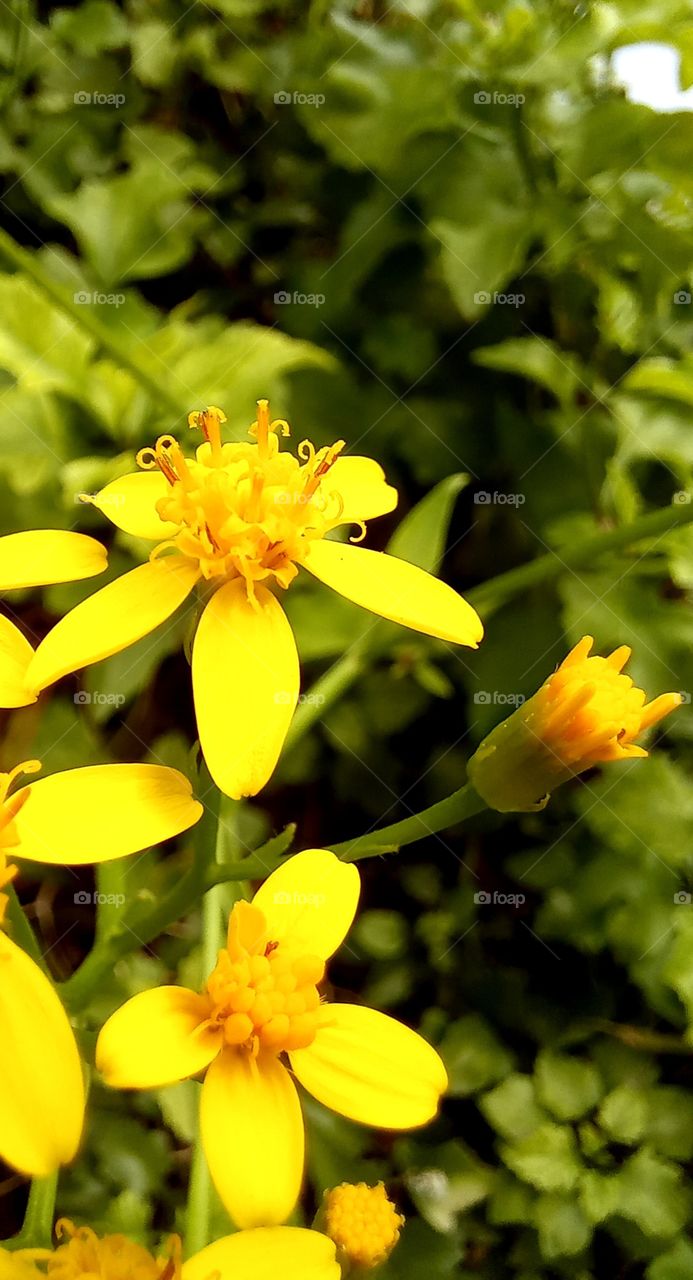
{"x": 83, "y": 1255}
{"x": 263, "y": 994}
{"x": 363, "y": 1223}
{"x": 248, "y": 509}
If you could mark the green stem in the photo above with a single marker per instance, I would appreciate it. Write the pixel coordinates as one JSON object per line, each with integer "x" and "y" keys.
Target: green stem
{"x": 326, "y": 690}
{"x": 461, "y": 805}
{"x": 37, "y": 1228}
{"x": 552, "y": 565}
{"x": 20, "y": 930}
{"x": 84, "y": 316}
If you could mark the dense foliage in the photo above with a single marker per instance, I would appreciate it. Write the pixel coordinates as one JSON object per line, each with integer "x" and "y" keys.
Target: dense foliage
{"x": 441, "y": 232}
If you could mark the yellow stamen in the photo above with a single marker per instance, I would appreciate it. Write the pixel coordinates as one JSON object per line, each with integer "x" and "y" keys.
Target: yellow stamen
{"x": 82, "y": 1255}
{"x": 363, "y": 1223}
{"x": 263, "y": 995}
{"x": 209, "y": 422}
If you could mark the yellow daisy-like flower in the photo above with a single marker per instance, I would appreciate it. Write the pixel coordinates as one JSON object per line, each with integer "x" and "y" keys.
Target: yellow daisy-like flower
{"x": 236, "y": 522}
{"x": 37, "y": 559}
{"x": 261, "y": 1004}
{"x": 363, "y": 1222}
{"x": 66, "y": 818}
{"x": 588, "y": 712}
{"x": 289, "y": 1252}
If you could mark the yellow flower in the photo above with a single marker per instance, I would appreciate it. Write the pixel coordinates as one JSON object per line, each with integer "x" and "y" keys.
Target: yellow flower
{"x": 238, "y": 521}
{"x": 36, "y": 559}
{"x": 261, "y": 1003}
{"x": 363, "y": 1223}
{"x": 287, "y": 1252}
{"x": 588, "y": 712}
{"x": 67, "y": 818}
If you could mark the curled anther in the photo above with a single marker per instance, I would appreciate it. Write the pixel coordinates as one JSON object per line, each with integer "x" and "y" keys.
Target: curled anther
{"x": 280, "y": 424}
{"x": 147, "y": 459}
{"x": 361, "y": 535}
{"x": 306, "y": 451}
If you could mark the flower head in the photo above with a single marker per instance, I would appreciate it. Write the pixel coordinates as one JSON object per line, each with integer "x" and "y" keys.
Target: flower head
{"x": 363, "y": 1222}
{"x": 291, "y": 1252}
{"x": 235, "y": 523}
{"x": 66, "y": 818}
{"x": 259, "y": 1006}
{"x": 588, "y": 712}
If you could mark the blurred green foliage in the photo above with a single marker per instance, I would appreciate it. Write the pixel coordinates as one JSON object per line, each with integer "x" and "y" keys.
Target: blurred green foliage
{"x": 496, "y": 251}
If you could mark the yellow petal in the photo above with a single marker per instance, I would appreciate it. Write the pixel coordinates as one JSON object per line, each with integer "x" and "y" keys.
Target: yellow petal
{"x": 39, "y": 557}
{"x": 15, "y": 1267}
{"x": 396, "y": 590}
{"x": 113, "y": 618}
{"x": 245, "y": 680}
{"x": 252, "y": 1133}
{"x": 102, "y": 812}
{"x": 268, "y": 1253}
{"x": 41, "y": 1086}
{"x": 130, "y": 504}
{"x": 156, "y": 1038}
{"x": 15, "y": 655}
{"x": 371, "y": 1068}
{"x": 310, "y": 901}
{"x": 362, "y": 487}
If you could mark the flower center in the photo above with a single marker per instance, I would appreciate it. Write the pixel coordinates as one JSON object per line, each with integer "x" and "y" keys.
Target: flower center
{"x": 84, "y": 1256}
{"x": 245, "y": 510}
{"x": 362, "y": 1222}
{"x": 263, "y": 994}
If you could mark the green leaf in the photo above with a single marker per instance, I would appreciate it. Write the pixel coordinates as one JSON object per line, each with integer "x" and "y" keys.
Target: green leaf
{"x": 512, "y": 1107}
{"x": 473, "y": 1055}
{"x": 537, "y": 359}
{"x": 547, "y": 1158}
{"x": 421, "y": 536}
{"x": 652, "y": 1194}
{"x": 600, "y": 1195}
{"x": 624, "y": 1113}
{"x": 566, "y": 1086}
{"x": 563, "y": 1228}
{"x": 675, "y": 1264}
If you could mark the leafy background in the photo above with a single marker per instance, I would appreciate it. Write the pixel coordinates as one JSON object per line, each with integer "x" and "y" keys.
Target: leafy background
{"x": 185, "y": 197}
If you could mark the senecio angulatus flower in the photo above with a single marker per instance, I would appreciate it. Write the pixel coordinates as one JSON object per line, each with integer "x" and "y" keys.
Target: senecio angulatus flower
{"x": 66, "y": 818}
{"x": 234, "y": 524}
{"x": 364, "y": 1224}
{"x": 37, "y": 558}
{"x": 260, "y": 1005}
{"x": 291, "y": 1253}
{"x": 587, "y": 713}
